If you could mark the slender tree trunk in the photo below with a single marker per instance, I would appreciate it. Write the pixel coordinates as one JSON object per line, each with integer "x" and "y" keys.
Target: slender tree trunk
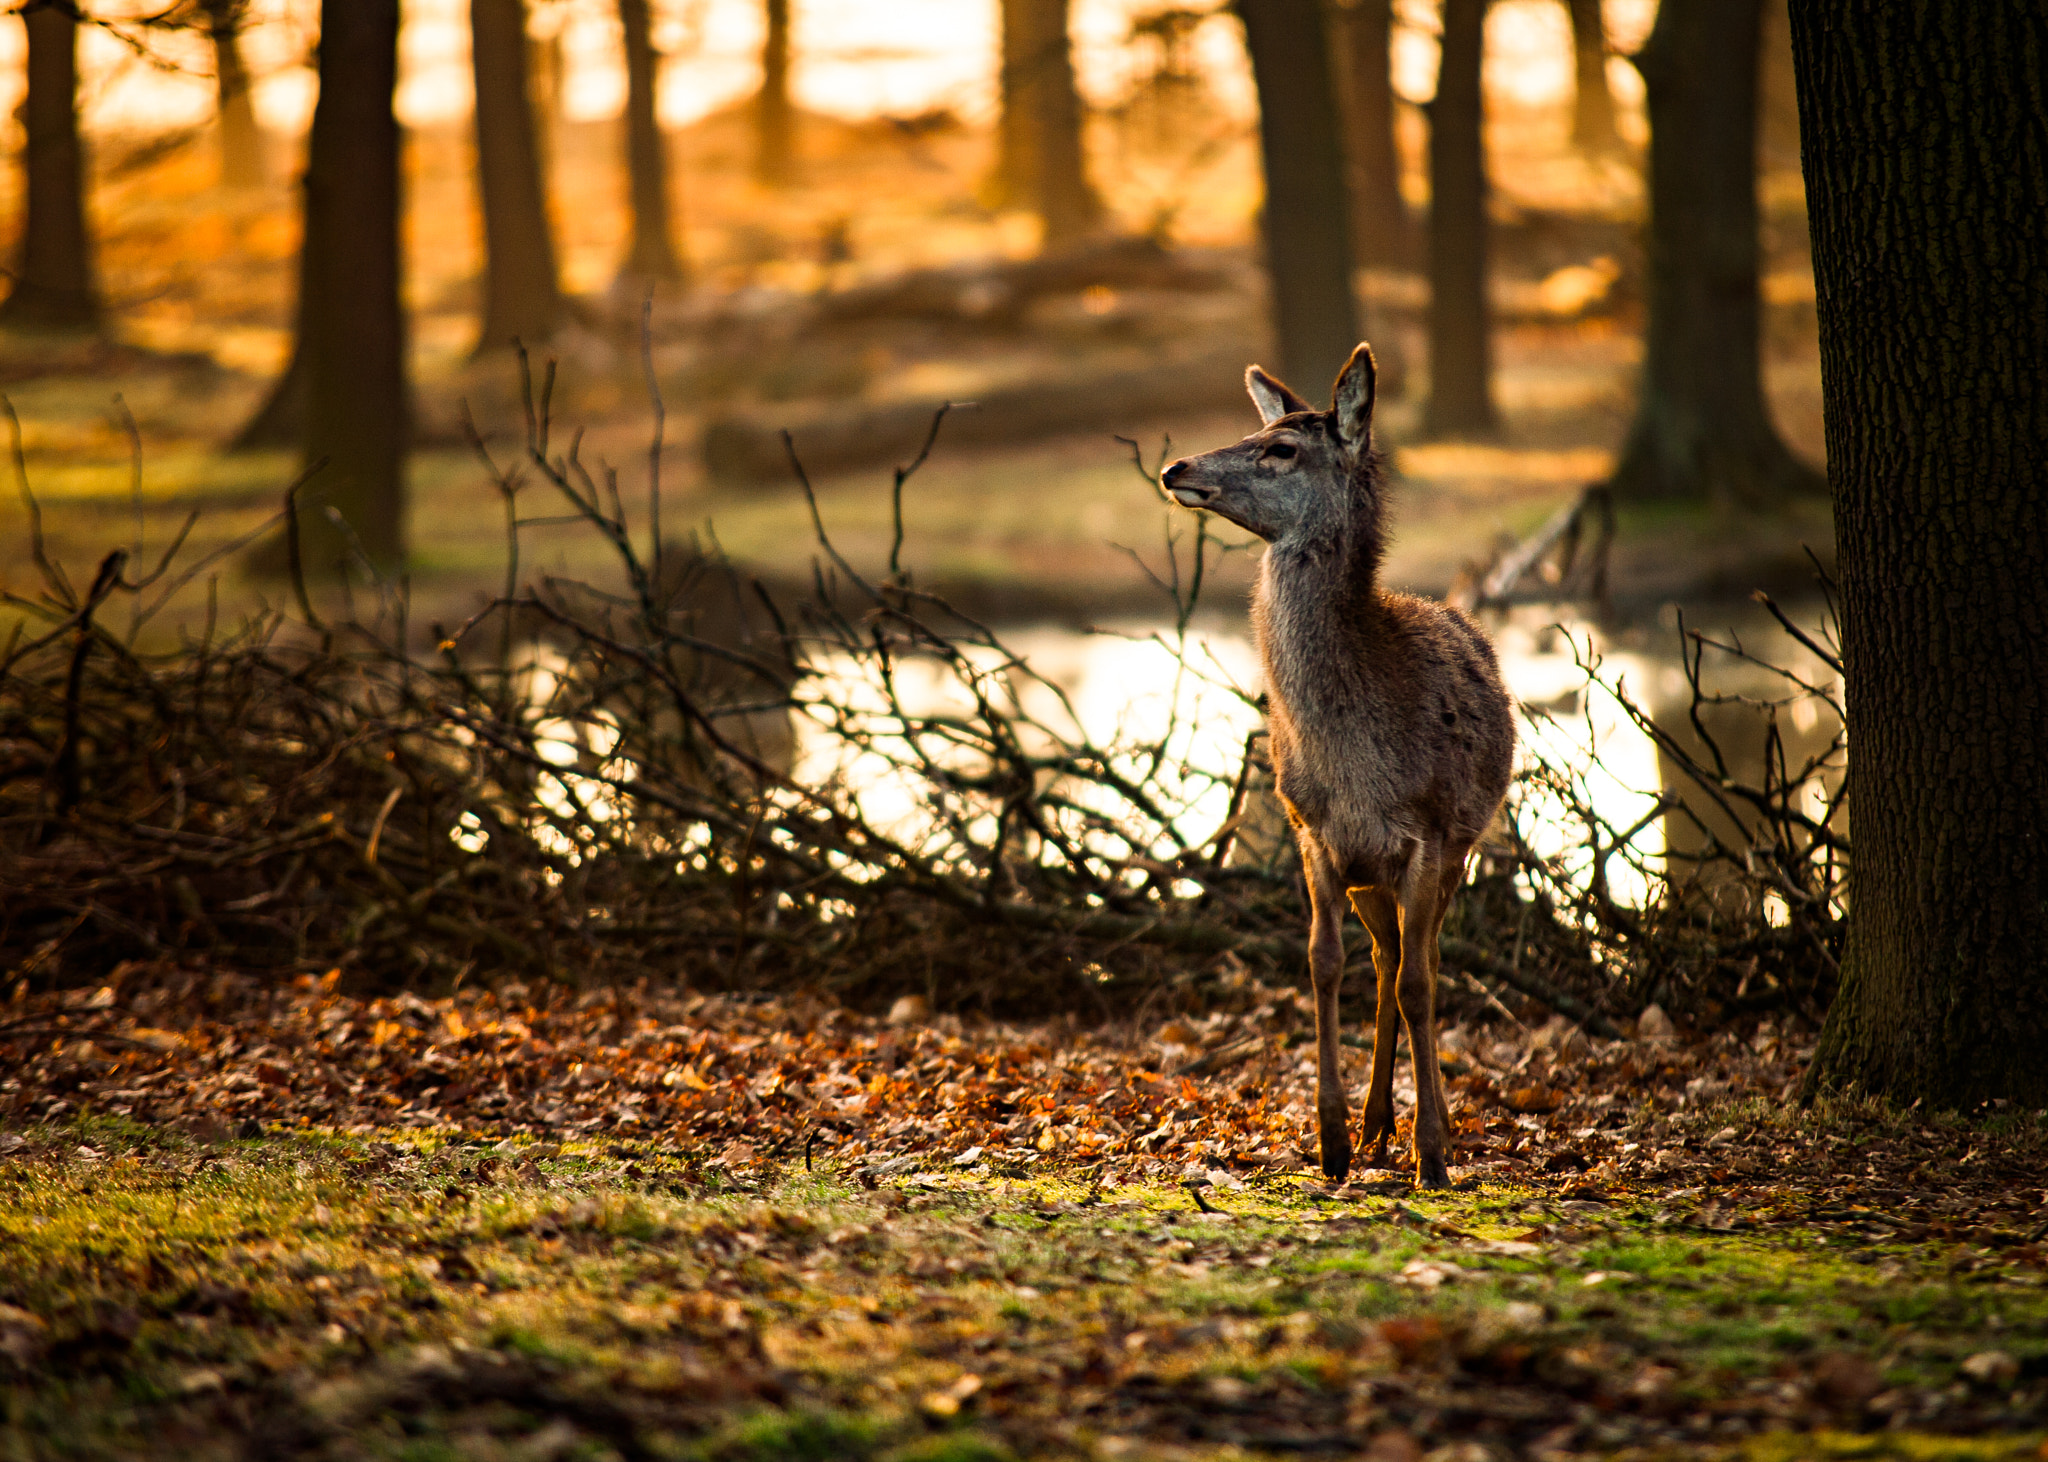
{"x": 1460, "y": 312}
{"x": 1041, "y": 153}
{"x": 1926, "y": 160}
{"x": 54, "y": 288}
{"x": 1380, "y": 227}
{"x": 241, "y": 140}
{"x": 352, "y": 325}
{"x": 652, "y": 260}
{"x": 774, "y": 116}
{"x": 545, "y": 68}
{"x": 1066, "y": 202}
{"x": 1702, "y": 430}
{"x": 522, "y": 294}
{"x": 1307, "y": 231}
{"x": 1012, "y": 182}
{"x": 1592, "y": 98}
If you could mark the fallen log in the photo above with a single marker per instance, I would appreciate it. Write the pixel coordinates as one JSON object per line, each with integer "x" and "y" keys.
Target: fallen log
{"x": 996, "y": 293}
{"x": 746, "y": 446}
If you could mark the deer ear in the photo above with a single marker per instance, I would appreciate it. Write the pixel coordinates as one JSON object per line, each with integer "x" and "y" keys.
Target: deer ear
{"x": 1353, "y": 398}
{"x": 1272, "y": 398}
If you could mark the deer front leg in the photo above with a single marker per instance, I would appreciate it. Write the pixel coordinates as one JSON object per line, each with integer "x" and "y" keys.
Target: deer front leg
{"x": 1422, "y": 902}
{"x": 1381, "y": 914}
{"x": 1326, "y": 974}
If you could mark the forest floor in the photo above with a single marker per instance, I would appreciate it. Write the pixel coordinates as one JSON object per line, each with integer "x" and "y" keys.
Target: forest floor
{"x": 524, "y": 1224}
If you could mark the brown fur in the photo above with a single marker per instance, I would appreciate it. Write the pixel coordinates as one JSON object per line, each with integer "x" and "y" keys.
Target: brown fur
{"x": 1392, "y": 737}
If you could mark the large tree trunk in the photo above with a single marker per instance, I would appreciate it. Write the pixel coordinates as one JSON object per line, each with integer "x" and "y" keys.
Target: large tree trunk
{"x": 241, "y": 140}
{"x": 1460, "y": 312}
{"x": 1307, "y": 231}
{"x": 1592, "y": 98}
{"x": 522, "y": 293}
{"x": 1702, "y": 431}
{"x": 1926, "y": 160}
{"x": 1380, "y": 228}
{"x": 352, "y": 326}
{"x": 652, "y": 261}
{"x": 774, "y": 116}
{"x": 54, "y": 287}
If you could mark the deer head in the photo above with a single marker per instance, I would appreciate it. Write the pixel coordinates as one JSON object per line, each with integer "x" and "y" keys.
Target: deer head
{"x": 1303, "y": 470}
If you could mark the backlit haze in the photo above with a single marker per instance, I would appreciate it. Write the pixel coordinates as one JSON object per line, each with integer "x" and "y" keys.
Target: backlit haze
{"x": 852, "y": 59}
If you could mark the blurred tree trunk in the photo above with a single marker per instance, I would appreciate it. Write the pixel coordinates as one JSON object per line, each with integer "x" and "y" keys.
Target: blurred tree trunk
{"x": 547, "y": 85}
{"x": 774, "y": 116}
{"x": 522, "y": 293}
{"x": 1010, "y": 182}
{"x": 1065, "y": 200}
{"x": 54, "y": 287}
{"x": 1926, "y": 160}
{"x": 1592, "y": 98}
{"x": 1379, "y": 215}
{"x": 1778, "y": 110}
{"x": 1041, "y": 154}
{"x": 1460, "y": 312}
{"x": 241, "y": 140}
{"x": 1702, "y": 431}
{"x": 351, "y": 321}
{"x": 652, "y": 260}
{"x": 1305, "y": 222}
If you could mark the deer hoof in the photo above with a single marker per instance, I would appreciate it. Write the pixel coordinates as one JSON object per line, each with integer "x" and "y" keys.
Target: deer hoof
{"x": 1431, "y": 1171}
{"x": 1336, "y": 1157}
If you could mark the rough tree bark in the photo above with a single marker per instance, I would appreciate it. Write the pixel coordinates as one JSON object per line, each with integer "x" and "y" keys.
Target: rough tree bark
{"x": 351, "y": 348}
{"x": 1307, "y": 232}
{"x": 1380, "y": 228}
{"x": 522, "y": 293}
{"x": 54, "y": 287}
{"x": 1592, "y": 99}
{"x": 652, "y": 261}
{"x": 1926, "y": 161}
{"x": 241, "y": 140}
{"x": 1460, "y": 312}
{"x": 1702, "y": 431}
{"x": 774, "y": 116}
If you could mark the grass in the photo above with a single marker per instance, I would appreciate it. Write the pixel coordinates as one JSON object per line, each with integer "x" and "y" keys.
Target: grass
{"x": 410, "y": 1296}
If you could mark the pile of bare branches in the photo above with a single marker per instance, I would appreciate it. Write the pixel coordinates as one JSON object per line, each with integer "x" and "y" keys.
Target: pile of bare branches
{"x": 675, "y": 777}
{"x": 1741, "y": 904}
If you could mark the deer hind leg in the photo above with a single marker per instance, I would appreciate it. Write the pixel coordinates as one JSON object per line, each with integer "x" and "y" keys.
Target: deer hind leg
{"x": 1453, "y": 874}
{"x": 1381, "y": 913}
{"x": 1422, "y": 903}
{"x": 1326, "y": 973}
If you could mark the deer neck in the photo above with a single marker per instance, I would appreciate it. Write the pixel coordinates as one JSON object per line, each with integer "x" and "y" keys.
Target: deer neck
{"x": 1319, "y": 605}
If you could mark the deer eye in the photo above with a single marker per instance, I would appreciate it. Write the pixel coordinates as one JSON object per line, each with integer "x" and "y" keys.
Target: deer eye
{"x": 1280, "y": 451}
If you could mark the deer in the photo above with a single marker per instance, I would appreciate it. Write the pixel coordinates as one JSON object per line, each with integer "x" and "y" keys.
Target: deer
{"x": 1390, "y": 733}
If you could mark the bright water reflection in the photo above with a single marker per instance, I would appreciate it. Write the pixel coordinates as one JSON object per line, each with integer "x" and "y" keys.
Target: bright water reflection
{"x": 1128, "y": 688}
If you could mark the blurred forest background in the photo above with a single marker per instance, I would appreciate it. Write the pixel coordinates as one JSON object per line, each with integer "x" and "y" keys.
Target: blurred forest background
{"x": 590, "y": 332}
{"x": 833, "y": 217}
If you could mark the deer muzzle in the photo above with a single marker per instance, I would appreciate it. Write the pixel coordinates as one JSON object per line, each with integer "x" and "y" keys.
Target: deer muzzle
{"x": 1187, "y": 494}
